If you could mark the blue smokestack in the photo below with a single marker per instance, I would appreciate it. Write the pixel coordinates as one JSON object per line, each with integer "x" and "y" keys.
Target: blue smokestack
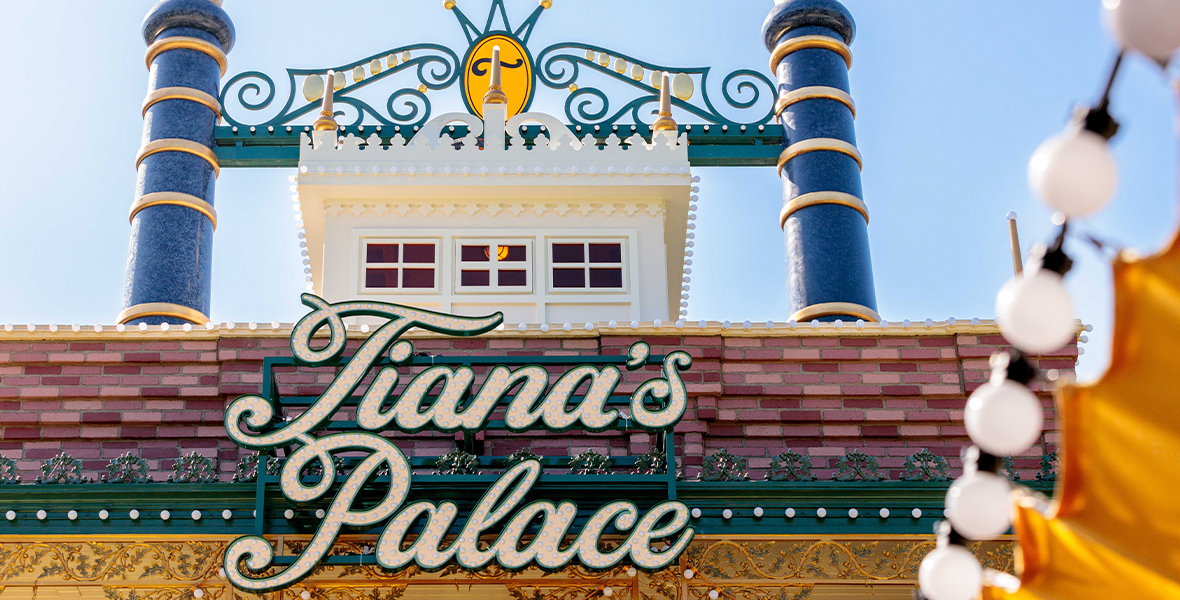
{"x": 824, "y": 217}
{"x": 170, "y": 260}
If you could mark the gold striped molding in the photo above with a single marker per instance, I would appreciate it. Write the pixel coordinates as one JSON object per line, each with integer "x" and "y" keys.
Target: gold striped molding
{"x": 177, "y": 199}
{"x": 182, "y": 93}
{"x": 827, "y": 309}
{"x": 186, "y": 43}
{"x": 813, "y": 91}
{"x": 815, "y": 144}
{"x": 178, "y": 145}
{"x": 162, "y": 309}
{"x": 808, "y": 41}
{"x": 814, "y": 198}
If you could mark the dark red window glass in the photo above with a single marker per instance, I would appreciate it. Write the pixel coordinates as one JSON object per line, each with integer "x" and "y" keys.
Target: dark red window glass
{"x": 568, "y": 253}
{"x": 512, "y": 278}
{"x": 474, "y": 278}
{"x": 569, "y": 278}
{"x": 381, "y": 278}
{"x": 606, "y": 253}
{"x": 381, "y": 253}
{"x": 606, "y": 278}
{"x": 474, "y": 254}
{"x": 512, "y": 254}
{"x": 418, "y": 253}
{"x": 418, "y": 278}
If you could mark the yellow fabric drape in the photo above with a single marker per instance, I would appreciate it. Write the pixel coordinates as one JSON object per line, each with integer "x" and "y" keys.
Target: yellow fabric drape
{"x": 1113, "y": 529}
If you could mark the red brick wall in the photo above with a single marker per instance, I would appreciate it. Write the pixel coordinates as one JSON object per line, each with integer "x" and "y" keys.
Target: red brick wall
{"x": 821, "y": 392}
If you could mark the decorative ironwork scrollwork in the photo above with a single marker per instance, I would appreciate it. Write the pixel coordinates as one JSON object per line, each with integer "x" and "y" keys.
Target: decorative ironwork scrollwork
{"x": 437, "y": 67}
{"x": 559, "y": 66}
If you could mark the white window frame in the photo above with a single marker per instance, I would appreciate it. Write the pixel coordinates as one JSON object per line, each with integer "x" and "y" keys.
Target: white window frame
{"x": 624, "y": 264}
{"x": 400, "y": 265}
{"x": 492, "y": 266}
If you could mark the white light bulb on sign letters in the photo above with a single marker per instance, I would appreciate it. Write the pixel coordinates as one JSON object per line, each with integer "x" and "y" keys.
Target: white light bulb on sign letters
{"x": 1003, "y": 418}
{"x": 1074, "y": 172}
{"x": 1036, "y": 313}
{"x": 977, "y": 505}
{"x": 950, "y": 573}
{"x": 1146, "y": 26}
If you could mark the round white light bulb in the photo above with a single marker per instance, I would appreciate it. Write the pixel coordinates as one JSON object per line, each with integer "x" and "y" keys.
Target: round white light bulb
{"x": 196, "y": 515}
{"x": 688, "y": 574}
{"x": 789, "y": 513}
{"x": 608, "y": 591}
{"x": 727, "y": 514}
{"x": 950, "y": 573}
{"x": 72, "y": 515}
{"x": 10, "y": 515}
{"x": 977, "y": 505}
{"x": 631, "y": 572}
{"x": 714, "y": 595}
{"x": 227, "y": 514}
{"x": 134, "y": 514}
{"x": 1146, "y": 26}
{"x": 306, "y": 595}
{"x": 758, "y": 512}
{"x": 821, "y": 513}
{"x": 696, "y": 513}
{"x": 41, "y": 515}
{"x": 1036, "y": 313}
{"x": 1003, "y": 418}
{"x": 290, "y": 514}
{"x": 165, "y": 515}
{"x": 198, "y": 593}
{"x": 1074, "y": 172}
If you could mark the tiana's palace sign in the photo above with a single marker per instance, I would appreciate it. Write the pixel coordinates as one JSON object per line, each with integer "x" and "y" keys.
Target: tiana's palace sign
{"x": 498, "y": 528}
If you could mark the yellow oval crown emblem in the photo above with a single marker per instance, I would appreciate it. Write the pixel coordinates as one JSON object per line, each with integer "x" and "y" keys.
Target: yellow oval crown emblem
{"x": 516, "y": 73}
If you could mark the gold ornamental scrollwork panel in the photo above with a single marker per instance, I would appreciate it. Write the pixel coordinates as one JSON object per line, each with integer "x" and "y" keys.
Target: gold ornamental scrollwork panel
{"x": 76, "y": 560}
{"x": 838, "y": 559}
{"x": 738, "y": 568}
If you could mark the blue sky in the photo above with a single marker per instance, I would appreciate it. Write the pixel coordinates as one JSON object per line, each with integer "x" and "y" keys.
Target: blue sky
{"x": 952, "y": 98}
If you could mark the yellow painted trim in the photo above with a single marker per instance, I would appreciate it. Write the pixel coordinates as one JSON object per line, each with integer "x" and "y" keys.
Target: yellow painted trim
{"x": 162, "y": 309}
{"x": 814, "y": 198}
{"x": 827, "y": 309}
{"x": 816, "y": 144}
{"x": 177, "y": 199}
{"x": 814, "y": 91}
{"x": 182, "y": 93}
{"x": 186, "y": 43}
{"x": 178, "y": 145}
{"x": 810, "y": 41}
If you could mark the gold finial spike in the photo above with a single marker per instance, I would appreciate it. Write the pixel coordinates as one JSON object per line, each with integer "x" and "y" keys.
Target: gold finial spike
{"x": 665, "y": 121}
{"x": 1014, "y": 239}
{"x": 327, "y": 120}
{"x": 495, "y": 93}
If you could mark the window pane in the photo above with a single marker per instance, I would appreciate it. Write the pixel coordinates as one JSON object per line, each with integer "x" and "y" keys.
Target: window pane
{"x": 381, "y": 278}
{"x": 474, "y": 254}
{"x": 419, "y": 253}
{"x": 480, "y": 278}
{"x": 568, "y": 253}
{"x": 606, "y": 278}
{"x": 418, "y": 278}
{"x": 569, "y": 278}
{"x": 511, "y": 254}
{"x": 381, "y": 253}
{"x": 511, "y": 278}
{"x": 606, "y": 253}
